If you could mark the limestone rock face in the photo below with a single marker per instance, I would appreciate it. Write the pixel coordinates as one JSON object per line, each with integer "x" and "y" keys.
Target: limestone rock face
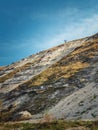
{"x": 62, "y": 81}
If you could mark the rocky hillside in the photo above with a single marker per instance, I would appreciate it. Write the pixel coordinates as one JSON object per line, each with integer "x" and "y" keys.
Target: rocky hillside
{"x": 61, "y": 81}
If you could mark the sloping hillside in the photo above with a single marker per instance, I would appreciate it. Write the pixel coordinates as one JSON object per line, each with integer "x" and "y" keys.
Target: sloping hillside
{"x": 22, "y": 71}
{"x": 62, "y": 81}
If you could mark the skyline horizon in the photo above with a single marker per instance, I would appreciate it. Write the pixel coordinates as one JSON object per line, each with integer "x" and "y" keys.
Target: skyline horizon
{"x": 48, "y": 48}
{"x": 30, "y": 26}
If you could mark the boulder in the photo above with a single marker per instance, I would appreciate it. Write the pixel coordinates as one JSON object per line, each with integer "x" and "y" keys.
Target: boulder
{"x": 23, "y": 115}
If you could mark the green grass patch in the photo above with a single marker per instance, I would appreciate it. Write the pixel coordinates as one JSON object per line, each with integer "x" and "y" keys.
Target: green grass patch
{"x": 55, "y": 125}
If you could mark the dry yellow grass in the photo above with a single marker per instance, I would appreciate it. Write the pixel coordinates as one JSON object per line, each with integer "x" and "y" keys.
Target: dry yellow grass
{"x": 75, "y": 67}
{"x": 58, "y": 72}
{"x": 16, "y": 70}
{"x": 73, "y": 64}
{"x": 93, "y": 46}
{"x": 1, "y": 68}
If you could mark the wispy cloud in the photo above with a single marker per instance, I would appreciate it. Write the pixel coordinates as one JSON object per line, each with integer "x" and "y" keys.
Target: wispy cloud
{"x": 56, "y": 15}
{"x": 85, "y": 27}
{"x": 75, "y": 30}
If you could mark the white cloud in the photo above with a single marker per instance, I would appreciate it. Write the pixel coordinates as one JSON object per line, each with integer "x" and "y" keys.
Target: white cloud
{"x": 86, "y": 27}
{"x": 75, "y": 30}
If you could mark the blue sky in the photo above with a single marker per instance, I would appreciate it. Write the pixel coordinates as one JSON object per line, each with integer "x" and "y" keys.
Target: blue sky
{"x": 29, "y": 26}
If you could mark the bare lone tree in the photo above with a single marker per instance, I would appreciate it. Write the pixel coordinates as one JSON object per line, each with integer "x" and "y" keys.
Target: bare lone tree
{"x": 65, "y": 41}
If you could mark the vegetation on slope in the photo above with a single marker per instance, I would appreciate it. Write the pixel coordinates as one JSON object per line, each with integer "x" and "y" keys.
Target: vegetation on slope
{"x": 79, "y": 59}
{"x": 15, "y": 71}
{"x": 1, "y": 68}
{"x": 55, "y": 125}
{"x": 71, "y": 69}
